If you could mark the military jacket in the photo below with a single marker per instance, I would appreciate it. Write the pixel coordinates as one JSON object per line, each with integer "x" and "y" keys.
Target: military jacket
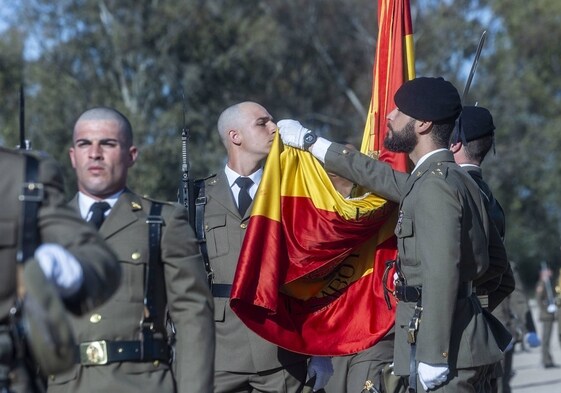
{"x": 56, "y": 223}
{"x": 238, "y": 349}
{"x": 182, "y": 289}
{"x": 442, "y": 235}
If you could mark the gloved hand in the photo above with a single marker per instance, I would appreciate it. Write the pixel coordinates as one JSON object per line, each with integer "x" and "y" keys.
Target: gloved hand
{"x": 432, "y": 376}
{"x": 292, "y": 133}
{"x": 532, "y": 339}
{"x": 551, "y": 308}
{"x": 60, "y": 267}
{"x": 322, "y": 368}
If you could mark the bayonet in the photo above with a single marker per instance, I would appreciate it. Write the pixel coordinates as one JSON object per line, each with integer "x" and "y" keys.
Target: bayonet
{"x": 474, "y": 65}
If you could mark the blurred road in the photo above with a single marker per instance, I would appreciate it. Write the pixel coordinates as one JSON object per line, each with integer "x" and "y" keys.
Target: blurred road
{"x": 530, "y": 376}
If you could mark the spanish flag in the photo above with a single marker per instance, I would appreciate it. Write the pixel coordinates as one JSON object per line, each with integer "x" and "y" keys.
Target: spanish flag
{"x": 310, "y": 273}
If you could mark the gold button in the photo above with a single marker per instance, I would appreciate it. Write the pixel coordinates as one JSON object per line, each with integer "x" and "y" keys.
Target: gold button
{"x": 444, "y": 354}
{"x": 135, "y": 255}
{"x": 243, "y": 225}
{"x": 95, "y": 318}
{"x": 206, "y": 227}
{"x": 156, "y": 363}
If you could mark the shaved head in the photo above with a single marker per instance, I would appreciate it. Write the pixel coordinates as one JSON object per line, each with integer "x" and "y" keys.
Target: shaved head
{"x": 104, "y": 113}
{"x": 232, "y": 118}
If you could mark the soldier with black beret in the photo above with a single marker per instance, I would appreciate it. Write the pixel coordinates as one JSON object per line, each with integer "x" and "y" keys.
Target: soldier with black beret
{"x": 443, "y": 338}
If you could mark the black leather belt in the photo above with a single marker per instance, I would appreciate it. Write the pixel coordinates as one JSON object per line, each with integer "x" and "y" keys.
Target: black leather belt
{"x": 96, "y": 353}
{"x": 411, "y": 294}
{"x": 407, "y": 293}
{"x": 221, "y": 290}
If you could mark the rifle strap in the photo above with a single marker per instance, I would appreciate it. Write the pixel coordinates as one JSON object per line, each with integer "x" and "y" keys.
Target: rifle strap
{"x": 32, "y": 194}
{"x": 155, "y": 222}
{"x": 412, "y": 339}
{"x": 200, "y": 203}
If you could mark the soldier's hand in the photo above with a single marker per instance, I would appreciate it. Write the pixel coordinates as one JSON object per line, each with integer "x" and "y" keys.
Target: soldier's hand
{"x": 320, "y": 367}
{"x": 432, "y": 375}
{"x": 60, "y": 267}
{"x": 292, "y": 133}
{"x": 532, "y": 340}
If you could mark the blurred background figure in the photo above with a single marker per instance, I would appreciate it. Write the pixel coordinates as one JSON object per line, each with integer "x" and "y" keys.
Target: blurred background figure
{"x": 514, "y": 312}
{"x": 548, "y": 309}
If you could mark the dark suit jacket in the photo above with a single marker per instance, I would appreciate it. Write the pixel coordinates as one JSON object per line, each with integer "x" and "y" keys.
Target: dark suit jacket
{"x": 56, "y": 224}
{"x": 443, "y": 236}
{"x": 498, "y": 281}
{"x": 188, "y": 300}
{"x": 238, "y": 349}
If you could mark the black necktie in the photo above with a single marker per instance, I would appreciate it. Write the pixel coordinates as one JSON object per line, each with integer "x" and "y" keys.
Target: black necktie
{"x": 98, "y": 210}
{"x": 244, "y": 200}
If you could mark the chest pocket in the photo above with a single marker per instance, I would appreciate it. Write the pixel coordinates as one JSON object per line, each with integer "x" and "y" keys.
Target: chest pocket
{"x": 216, "y": 235}
{"x": 406, "y": 241}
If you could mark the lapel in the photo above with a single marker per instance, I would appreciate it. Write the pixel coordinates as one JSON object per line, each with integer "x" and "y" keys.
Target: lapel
{"x": 441, "y": 156}
{"x": 219, "y": 190}
{"x": 124, "y": 213}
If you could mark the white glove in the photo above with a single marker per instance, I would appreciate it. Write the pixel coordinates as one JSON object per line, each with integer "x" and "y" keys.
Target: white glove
{"x": 551, "y": 308}
{"x": 292, "y": 133}
{"x": 322, "y": 368}
{"x": 432, "y": 376}
{"x": 60, "y": 267}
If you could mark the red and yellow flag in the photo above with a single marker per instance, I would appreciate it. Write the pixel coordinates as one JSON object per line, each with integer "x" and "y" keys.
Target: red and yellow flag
{"x": 395, "y": 64}
{"x": 309, "y": 276}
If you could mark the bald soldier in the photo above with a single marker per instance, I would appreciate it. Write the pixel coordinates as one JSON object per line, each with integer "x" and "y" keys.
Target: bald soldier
{"x": 124, "y": 344}
{"x": 245, "y": 362}
{"x": 51, "y": 261}
{"x": 443, "y": 339}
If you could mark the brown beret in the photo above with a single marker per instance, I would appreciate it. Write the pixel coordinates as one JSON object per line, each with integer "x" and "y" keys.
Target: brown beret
{"x": 432, "y": 99}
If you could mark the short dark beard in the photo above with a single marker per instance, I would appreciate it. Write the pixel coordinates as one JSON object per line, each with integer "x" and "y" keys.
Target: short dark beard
{"x": 403, "y": 141}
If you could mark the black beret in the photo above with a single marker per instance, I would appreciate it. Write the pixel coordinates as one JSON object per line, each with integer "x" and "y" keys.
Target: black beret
{"x": 432, "y": 99}
{"x": 476, "y": 122}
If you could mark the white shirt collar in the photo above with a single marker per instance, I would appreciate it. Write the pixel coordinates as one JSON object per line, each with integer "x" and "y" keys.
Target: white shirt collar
{"x": 424, "y": 158}
{"x": 233, "y": 175}
{"x": 85, "y": 202}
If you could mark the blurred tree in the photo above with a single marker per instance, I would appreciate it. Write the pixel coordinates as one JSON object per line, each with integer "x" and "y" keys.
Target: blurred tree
{"x": 310, "y": 60}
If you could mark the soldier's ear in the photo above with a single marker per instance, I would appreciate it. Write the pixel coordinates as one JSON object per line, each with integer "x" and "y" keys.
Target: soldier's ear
{"x": 455, "y": 147}
{"x": 235, "y": 137}
{"x": 133, "y": 155}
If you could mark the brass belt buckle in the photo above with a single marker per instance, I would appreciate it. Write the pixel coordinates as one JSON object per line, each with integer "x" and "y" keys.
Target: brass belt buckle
{"x": 93, "y": 353}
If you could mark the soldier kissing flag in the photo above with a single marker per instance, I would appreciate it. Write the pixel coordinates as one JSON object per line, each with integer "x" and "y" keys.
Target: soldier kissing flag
{"x": 310, "y": 273}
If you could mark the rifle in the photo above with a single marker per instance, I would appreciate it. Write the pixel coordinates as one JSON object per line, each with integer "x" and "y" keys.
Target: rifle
{"x": 24, "y": 144}
{"x": 185, "y": 193}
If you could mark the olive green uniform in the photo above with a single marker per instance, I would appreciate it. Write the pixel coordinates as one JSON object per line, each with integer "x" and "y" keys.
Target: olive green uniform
{"x": 181, "y": 289}
{"x": 56, "y": 223}
{"x": 443, "y": 245}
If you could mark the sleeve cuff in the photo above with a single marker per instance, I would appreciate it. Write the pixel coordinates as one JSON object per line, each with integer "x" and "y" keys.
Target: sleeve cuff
{"x": 319, "y": 149}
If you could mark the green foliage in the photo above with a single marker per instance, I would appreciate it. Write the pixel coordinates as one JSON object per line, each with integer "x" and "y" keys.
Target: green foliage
{"x": 309, "y": 60}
